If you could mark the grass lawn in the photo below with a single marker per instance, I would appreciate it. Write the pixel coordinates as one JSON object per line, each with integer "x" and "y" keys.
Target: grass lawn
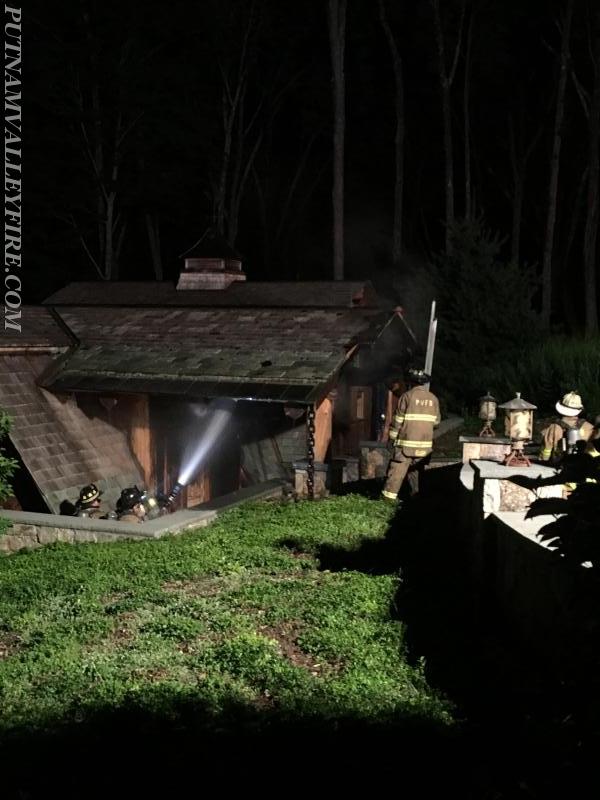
{"x": 279, "y": 649}
{"x": 228, "y": 627}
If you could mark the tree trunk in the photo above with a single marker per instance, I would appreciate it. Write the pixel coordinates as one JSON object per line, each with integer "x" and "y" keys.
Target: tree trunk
{"x": 590, "y": 238}
{"x": 519, "y": 158}
{"x": 446, "y": 79}
{"x": 264, "y": 221}
{"x": 569, "y": 302}
{"x": 337, "y": 35}
{"x": 236, "y": 198}
{"x": 554, "y": 169}
{"x": 153, "y": 231}
{"x": 515, "y": 249}
{"x": 466, "y": 118}
{"x": 399, "y": 138}
{"x": 228, "y": 120}
{"x": 109, "y": 229}
{"x": 518, "y": 180}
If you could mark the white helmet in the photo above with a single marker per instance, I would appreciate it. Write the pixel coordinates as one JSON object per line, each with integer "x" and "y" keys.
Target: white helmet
{"x": 570, "y": 405}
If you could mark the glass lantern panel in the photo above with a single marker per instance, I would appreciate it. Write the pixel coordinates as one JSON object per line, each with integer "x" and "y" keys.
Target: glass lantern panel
{"x": 487, "y": 410}
{"x": 519, "y": 425}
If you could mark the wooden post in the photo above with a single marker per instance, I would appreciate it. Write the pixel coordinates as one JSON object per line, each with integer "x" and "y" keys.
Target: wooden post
{"x": 323, "y": 420}
{"x": 140, "y": 439}
{"x": 390, "y": 408}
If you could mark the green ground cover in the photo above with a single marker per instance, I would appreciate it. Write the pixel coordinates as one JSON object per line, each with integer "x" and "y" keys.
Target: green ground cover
{"x": 235, "y": 616}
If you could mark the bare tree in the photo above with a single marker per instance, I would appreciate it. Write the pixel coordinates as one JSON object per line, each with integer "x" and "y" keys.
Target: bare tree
{"x": 555, "y": 166}
{"x": 102, "y": 137}
{"x": 590, "y": 238}
{"x": 100, "y": 95}
{"x": 446, "y": 78}
{"x": 235, "y": 84}
{"x": 250, "y": 104}
{"x": 399, "y": 137}
{"x": 337, "y": 40}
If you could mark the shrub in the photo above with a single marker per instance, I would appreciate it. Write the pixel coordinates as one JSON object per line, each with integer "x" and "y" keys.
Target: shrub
{"x": 546, "y": 370}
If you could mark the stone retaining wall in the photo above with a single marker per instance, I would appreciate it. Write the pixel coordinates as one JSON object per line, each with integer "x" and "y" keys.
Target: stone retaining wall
{"x": 29, "y": 530}
{"x": 28, "y": 537}
{"x": 544, "y": 602}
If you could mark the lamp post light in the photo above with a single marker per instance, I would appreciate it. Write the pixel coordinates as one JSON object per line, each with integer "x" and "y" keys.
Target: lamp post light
{"x": 518, "y": 426}
{"x": 487, "y": 412}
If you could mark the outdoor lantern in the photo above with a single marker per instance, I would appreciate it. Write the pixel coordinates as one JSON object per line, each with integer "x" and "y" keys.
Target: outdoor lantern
{"x": 518, "y": 426}
{"x": 487, "y": 412}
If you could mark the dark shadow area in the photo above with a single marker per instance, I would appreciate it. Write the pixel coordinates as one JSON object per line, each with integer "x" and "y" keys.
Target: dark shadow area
{"x": 368, "y": 488}
{"x": 25, "y": 490}
{"x": 185, "y": 749}
{"x": 534, "y": 734}
{"x": 67, "y": 508}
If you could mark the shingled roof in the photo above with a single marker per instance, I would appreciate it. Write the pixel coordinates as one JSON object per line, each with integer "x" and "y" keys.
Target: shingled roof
{"x": 305, "y": 294}
{"x": 41, "y": 331}
{"x": 274, "y": 354}
{"x": 61, "y": 447}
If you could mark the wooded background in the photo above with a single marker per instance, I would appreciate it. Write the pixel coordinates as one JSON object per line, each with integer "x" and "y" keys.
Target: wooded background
{"x": 328, "y": 138}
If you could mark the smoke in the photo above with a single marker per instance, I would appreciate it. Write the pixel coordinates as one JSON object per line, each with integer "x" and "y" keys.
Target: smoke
{"x": 217, "y": 417}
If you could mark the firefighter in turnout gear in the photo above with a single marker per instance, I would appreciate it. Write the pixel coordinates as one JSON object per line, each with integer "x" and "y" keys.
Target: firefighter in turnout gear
{"x": 569, "y": 434}
{"x": 88, "y": 503}
{"x": 411, "y": 435}
{"x": 130, "y": 506}
{"x": 592, "y": 447}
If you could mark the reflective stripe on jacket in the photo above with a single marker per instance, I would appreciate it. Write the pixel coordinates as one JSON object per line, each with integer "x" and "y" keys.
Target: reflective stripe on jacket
{"x": 417, "y": 414}
{"x": 554, "y": 434}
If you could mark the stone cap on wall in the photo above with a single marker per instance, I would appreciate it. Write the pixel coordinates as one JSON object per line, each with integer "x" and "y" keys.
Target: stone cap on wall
{"x": 497, "y": 471}
{"x": 484, "y": 439}
{"x": 152, "y": 529}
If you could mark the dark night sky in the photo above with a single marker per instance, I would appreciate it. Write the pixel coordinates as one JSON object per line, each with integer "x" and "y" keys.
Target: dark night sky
{"x": 171, "y": 85}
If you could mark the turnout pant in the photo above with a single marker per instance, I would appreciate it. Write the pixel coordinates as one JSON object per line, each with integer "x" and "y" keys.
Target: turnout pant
{"x": 399, "y": 468}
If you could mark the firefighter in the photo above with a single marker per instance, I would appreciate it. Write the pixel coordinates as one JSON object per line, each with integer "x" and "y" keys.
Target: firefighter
{"x": 592, "y": 447}
{"x": 411, "y": 435}
{"x": 569, "y": 434}
{"x": 88, "y": 504}
{"x": 130, "y": 506}
{"x": 592, "y": 450}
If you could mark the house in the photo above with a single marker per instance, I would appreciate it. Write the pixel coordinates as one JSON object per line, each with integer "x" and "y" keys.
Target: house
{"x": 118, "y": 380}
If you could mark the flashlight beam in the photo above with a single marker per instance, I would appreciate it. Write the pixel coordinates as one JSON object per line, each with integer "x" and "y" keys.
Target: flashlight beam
{"x": 220, "y": 412}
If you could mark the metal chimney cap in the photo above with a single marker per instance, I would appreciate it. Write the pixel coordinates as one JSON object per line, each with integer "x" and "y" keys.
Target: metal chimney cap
{"x": 518, "y": 404}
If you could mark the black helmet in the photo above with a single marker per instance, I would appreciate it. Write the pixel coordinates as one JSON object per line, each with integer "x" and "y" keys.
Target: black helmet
{"x": 418, "y": 376}
{"x": 129, "y": 498}
{"x": 88, "y": 494}
{"x": 395, "y": 384}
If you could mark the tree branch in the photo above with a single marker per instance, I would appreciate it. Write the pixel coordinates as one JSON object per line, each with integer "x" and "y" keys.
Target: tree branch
{"x": 458, "y": 43}
{"x": 582, "y": 93}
